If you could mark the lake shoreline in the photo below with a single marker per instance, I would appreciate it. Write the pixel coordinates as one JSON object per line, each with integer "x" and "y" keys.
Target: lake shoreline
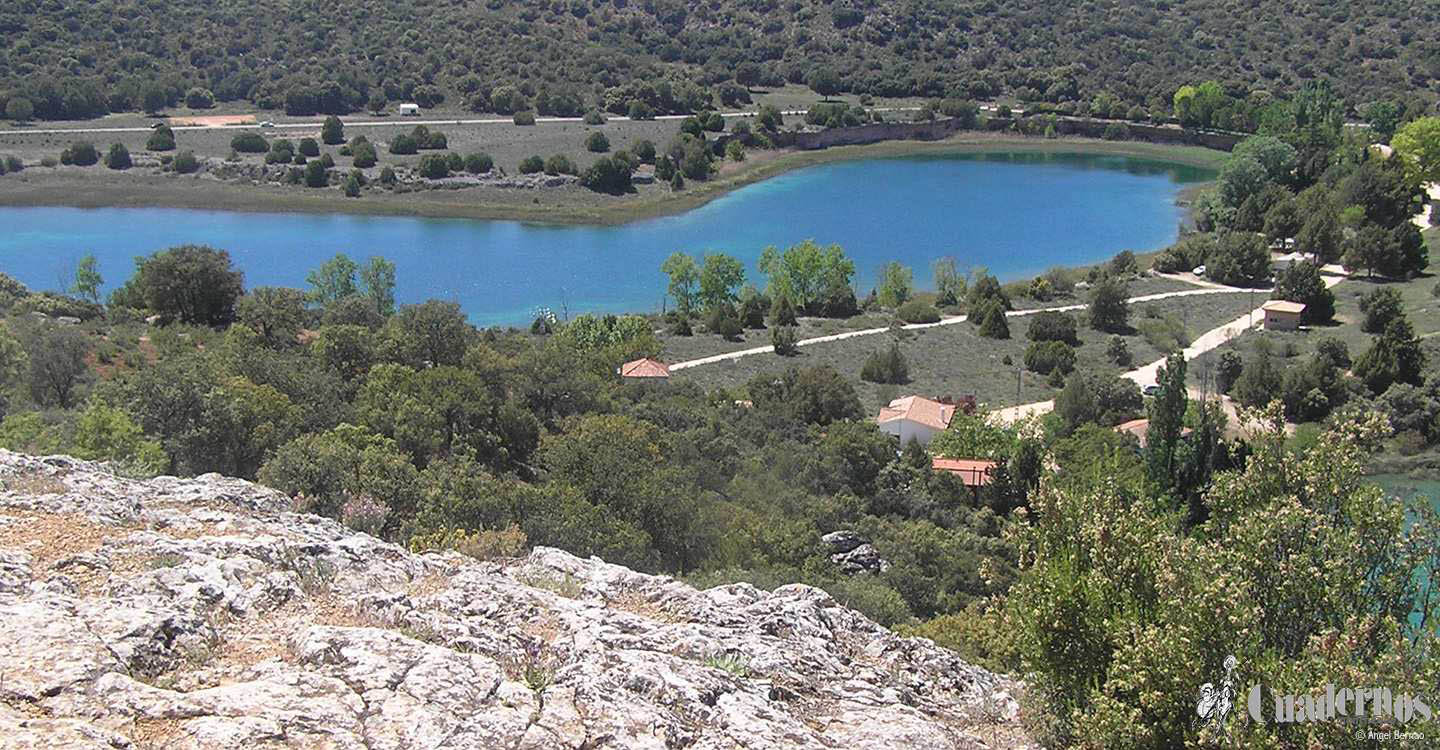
{"x": 96, "y": 187}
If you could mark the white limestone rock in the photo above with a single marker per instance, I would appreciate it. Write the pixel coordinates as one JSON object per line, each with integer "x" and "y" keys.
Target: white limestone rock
{"x": 201, "y": 613}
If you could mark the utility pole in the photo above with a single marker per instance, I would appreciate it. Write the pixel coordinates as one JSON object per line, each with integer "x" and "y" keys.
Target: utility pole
{"x": 1018, "y": 371}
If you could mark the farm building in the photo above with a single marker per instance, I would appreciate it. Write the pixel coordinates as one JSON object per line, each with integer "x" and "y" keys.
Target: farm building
{"x": 1282, "y": 315}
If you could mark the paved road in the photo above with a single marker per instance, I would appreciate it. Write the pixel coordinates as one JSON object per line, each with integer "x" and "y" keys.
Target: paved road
{"x": 369, "y": 123}
{"x": 1146, "y": 375}
{"x": 945, "y": 322}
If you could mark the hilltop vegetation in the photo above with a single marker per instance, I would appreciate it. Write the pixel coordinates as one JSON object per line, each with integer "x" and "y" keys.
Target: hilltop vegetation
{"x": 564, "y": 57}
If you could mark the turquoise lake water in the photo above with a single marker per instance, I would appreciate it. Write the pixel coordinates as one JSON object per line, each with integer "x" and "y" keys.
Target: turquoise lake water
{"x": 1016, "y": 214}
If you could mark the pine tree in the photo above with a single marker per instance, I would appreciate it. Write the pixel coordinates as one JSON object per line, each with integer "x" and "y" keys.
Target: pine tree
{"x": 992, "y": 322}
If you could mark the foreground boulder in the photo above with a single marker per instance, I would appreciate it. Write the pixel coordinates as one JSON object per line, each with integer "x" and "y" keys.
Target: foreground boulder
{"x": 201, "y": 613}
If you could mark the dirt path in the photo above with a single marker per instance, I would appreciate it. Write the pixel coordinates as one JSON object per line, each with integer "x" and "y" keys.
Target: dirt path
{"x": 1427, "y": 218}
{"x": 392, "y": 121}
{"x": 1146, "y": 375}
{"x": 1190, "y": 278}
{"x": 710, "y": 360}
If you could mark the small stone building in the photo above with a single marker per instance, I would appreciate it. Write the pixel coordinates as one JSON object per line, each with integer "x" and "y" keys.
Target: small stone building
{"x": 1282, "y": 315}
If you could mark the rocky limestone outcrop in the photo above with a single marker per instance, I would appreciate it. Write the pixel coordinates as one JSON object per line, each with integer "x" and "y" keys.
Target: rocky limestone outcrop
{"x": 854, "y": 554}
{"x": 201, "y": 613}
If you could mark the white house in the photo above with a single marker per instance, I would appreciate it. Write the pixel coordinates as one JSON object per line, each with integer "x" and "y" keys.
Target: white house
{"x": 915, "y": 418}
{"x": 409, "y": 109}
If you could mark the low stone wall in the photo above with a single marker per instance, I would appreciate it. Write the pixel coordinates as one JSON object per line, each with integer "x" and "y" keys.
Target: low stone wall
{"x": 932, "y": 130}
{"x": 1092, "y": 128}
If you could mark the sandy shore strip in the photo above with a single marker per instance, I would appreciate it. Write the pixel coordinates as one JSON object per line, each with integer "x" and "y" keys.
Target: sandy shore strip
{"x": 103, "y": 188}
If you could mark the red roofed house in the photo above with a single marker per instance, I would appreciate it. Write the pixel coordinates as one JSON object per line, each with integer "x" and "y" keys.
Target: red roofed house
{"x": 974, "y": 472}
{"x": 644, "y": 369}
{"x": 915, "y": 418}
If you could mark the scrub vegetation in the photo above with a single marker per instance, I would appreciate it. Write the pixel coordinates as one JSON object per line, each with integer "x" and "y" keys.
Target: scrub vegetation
{"x": 1114, "y": 574}
{"x": 76, "y": 61}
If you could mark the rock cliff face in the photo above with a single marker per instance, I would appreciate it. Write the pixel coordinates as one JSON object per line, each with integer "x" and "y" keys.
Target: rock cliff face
{"x": 201, "y": 613}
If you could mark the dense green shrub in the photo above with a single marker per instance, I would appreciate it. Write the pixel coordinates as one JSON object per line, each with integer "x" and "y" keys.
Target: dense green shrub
{"x": 162, "y": 138}
{"x": 427, "y": 139}
{"x": 1302, "y": 283}
{"x": 81, "y": 154}
{"x": 918, "y": 311}
{"x": 56, "y": 305}
{"x": 404, "y": 144}
{"x": 559, "y": 164}
{"x": 185, "y": 163}
{"x": 1052, "y": 326}
{"x": 1239, "y": 259}
{"x": 1165, "y": 334}
{"x": 199, "y": 98}
{"x": 249, "y": 143}
{"x": 532, "y": 164}
{"x": 282, "y": 151}
{"x": 1380, "y": 307}
{"x": 597, "y": 143}
{"x": 644, "y": 151}
{"x": 479, "y": 163}
{"x": 316, "y": 175}
{"x": 1118, "y": 352}
{"x": 1049, "y": 356}
{"x": 784, "y": 339}
{"x": 118, "y": 157}
{"x": 992, "y": 321}
{"x": 190, "y": 283}
{"x": 607, "y": 175}
{"x": 434, "y": 166}
{"x": 332, "y": 131}
{"x": 887, "y": 366}
{"x": 723, "y": 321}
{"x": 1109, "y": 306}
{"x": 524, "y": 118}
{"x": 364, "y": 155}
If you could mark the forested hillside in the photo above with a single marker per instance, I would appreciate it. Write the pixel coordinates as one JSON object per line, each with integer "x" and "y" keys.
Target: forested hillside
{"x": 73, "y": 59}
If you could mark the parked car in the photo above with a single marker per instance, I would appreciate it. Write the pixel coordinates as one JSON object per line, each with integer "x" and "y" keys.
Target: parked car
{"x": 1150, "y": 390}
{"x": 267, "y": 124}
{"x": 1199, "y": 271}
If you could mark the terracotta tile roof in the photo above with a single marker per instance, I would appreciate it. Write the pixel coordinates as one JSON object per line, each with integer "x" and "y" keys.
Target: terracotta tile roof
{"x": 1140, "y": 428}
{"x": 1136, "y": 427}
{"x": 974, "y": 472}
{"x": 644, "y": 368}
{"x": 1283, "y": 306}
{"x": 918, "y": 410}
